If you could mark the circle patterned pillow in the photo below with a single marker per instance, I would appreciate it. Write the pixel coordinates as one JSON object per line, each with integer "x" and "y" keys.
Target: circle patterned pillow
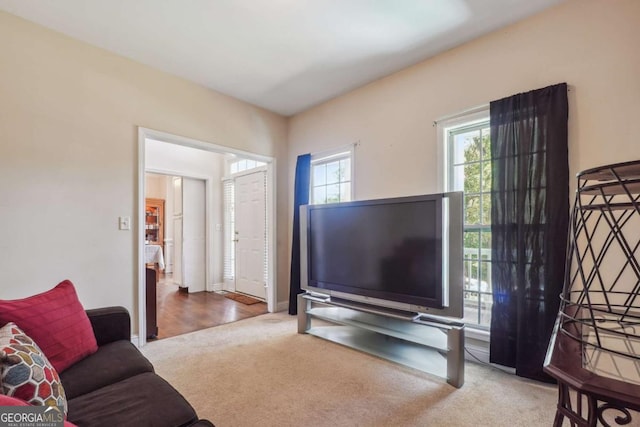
{"x": 25, "y": 371}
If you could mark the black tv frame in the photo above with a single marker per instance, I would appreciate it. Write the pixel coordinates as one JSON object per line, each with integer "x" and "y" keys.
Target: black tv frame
{"x": 449, "y": 300}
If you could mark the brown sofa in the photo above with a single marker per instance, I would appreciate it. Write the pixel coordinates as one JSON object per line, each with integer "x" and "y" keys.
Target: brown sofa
{"x": 117, "y": 386}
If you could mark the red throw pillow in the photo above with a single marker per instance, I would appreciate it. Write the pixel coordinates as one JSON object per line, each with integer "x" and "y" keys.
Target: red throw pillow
{"x": 11, "y": 401}
{"x": 56, "y": 320}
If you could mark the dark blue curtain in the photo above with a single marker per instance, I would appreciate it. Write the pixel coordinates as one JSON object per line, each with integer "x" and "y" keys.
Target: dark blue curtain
{"x": 300, "y": 197}
{"x": 529, "y": 224}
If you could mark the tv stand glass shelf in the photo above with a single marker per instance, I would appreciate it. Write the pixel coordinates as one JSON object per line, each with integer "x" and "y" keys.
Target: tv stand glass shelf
{"x": 435, "y": 346}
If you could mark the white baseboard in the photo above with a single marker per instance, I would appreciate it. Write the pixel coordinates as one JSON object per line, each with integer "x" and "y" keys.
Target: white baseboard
{"x": 282, "y": 306}
{"x": 478, "y": 353}
{"x": 216, "y": 287}
{"x": 135, "y": 340}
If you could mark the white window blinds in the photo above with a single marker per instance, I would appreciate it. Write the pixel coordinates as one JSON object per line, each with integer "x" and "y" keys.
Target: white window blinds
{"x": 228, "y": 190}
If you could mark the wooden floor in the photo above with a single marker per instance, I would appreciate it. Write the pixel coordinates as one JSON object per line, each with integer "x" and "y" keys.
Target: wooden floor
{"x": 181, "y": 312}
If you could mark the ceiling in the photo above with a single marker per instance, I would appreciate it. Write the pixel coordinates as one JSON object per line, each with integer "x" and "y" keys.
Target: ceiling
{"x": 282, "y": 55}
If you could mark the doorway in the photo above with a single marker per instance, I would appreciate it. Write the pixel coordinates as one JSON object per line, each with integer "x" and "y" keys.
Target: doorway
{"x": 214, "y": 224}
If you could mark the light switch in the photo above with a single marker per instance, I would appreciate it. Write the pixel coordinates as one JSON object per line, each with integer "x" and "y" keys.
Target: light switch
{"x": 124, "y": 223}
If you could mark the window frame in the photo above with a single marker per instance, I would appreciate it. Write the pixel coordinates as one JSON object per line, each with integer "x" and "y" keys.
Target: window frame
{"x": 330, "y": 156}
{"x": 241, "y": 165}
{"x": 470, "y": 119}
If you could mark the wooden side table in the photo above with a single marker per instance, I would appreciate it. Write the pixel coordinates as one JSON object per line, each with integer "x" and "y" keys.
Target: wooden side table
{"x": 584, "y": 397}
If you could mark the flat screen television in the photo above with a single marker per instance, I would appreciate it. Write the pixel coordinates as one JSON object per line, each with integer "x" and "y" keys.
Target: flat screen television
{"x": 402, "y": 253}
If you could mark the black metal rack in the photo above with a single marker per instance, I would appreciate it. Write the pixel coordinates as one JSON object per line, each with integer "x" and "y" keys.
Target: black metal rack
{"x": 595, "y": 349}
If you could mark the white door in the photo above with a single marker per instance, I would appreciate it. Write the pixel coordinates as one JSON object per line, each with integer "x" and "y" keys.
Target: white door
{"x": 250, "y": 234}
{"x": 189, "y": 234}
{"x": 193, "y": 234}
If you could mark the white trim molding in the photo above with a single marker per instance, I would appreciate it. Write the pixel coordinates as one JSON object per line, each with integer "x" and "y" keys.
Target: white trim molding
{"x": 442, "y": 126}
{"x": 143, "y": 135}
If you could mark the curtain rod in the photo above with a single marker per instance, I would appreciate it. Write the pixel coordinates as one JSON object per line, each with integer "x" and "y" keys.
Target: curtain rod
{"x": 472, "y": 110}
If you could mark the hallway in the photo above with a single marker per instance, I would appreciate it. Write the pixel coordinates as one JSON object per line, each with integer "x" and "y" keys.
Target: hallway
{"x": 181, "y": 312}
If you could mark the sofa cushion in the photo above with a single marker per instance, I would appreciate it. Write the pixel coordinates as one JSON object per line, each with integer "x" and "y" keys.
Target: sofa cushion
{"x": 112, "y": 362}
{"x": 56, "y": 321}
{"x": 25, "y": 372}
{"x": 142, "y": 400}
{"x": 12, "y": 401}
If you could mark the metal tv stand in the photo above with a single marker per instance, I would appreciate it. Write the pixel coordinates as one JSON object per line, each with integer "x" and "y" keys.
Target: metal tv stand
{"x": 435, "y": 346}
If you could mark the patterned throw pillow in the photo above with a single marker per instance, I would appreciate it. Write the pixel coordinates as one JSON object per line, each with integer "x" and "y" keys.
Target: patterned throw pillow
{"x": 25, "y": 372}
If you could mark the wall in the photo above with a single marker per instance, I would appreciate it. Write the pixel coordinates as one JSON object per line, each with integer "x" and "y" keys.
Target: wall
{"x": 590, "y": 44}
{"x": 69, "y": 114}
{"x": 193, "y": 163}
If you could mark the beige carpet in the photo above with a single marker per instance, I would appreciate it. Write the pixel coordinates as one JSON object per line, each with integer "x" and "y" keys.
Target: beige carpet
{"x": 261, "y": 372}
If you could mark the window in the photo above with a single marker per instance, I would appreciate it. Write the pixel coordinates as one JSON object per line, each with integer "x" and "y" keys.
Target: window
{"x": 229, "y": 250}
{"x": 331, "y": 178}
{"x": 244, "y": 164}
{"x": 468, "y": 169}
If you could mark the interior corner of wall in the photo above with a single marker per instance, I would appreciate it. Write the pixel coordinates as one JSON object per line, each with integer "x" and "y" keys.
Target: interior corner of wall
{"x": 282, "y": 306}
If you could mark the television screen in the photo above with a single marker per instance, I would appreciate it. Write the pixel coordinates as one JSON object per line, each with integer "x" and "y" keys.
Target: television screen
{"x": 388, "y": 249}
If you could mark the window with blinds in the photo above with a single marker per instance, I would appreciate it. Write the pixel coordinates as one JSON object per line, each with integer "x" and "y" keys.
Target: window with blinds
{"x": 228, "y": 190}
{"x": 265, "y": 261}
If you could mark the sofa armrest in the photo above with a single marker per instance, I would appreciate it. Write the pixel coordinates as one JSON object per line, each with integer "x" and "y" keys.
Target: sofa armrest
{"x": 110, "y": 324}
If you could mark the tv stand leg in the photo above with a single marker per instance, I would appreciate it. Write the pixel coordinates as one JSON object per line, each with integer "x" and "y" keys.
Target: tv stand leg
{"x": 304, "y": 320}
{"x": 455, "y": 357}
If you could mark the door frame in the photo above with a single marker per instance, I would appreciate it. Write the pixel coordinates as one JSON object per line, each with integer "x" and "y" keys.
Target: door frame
{"x": 146, "y": 133}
